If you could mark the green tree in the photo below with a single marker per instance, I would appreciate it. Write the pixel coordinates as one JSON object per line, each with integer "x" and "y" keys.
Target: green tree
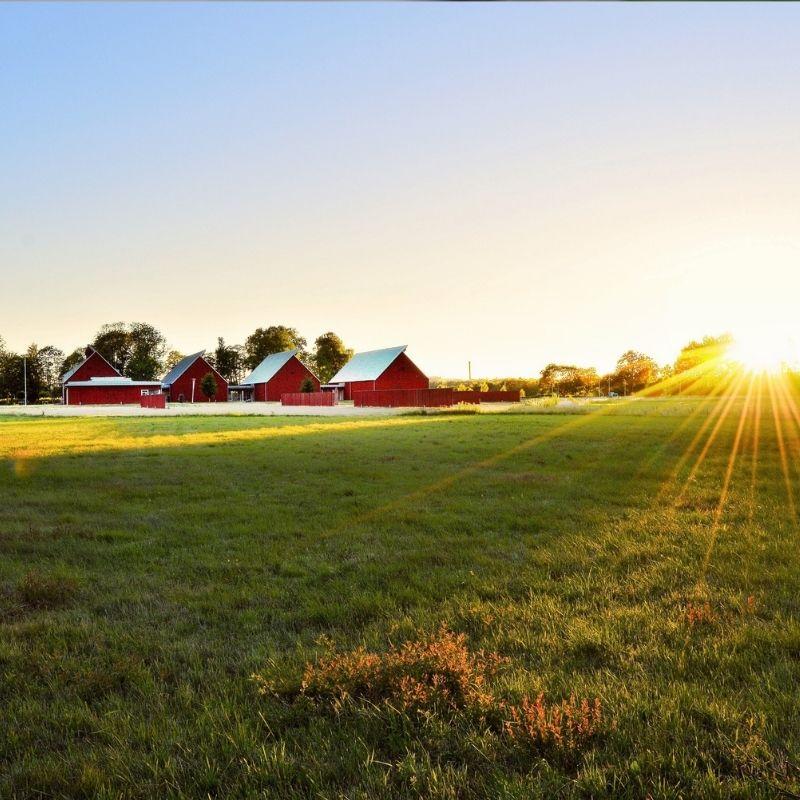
{"x": 10, "y": 374}
{"x": 307, "y": 385}
{"x": 113, "y": 342}
{"x": 708, "y": 349}
{"x": 148, "y": 347}
{"x": 171, "y": 359}
{"x": 137, "y": 350}
{"x": 51, "y": 361}
{"x": 32, "y": 374}
{"x": 264, "y": 342}
{"x": 72, "y": 360}
{"x": 330, "y": 355}
{"x": 228, "y": 360}
{"x": 208, "y": 385}
{"x": 566, "y": 379}
{"x": 634, "y": 372}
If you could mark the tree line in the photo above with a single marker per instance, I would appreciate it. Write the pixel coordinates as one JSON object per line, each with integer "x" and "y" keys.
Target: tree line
{"x": 698, "y": 369}
{"x": 140, "y": 351}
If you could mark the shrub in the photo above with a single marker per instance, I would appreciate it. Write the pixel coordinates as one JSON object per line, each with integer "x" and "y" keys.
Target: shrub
{"x": 307, "y": 386}
{"x": 208, "y": 385}
{"x": 436, "y": 671}
{"x": 437, "y": 674}
{"x": 566, "y": 725}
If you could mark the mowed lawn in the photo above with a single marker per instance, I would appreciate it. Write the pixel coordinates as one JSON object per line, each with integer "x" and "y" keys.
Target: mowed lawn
{"x": 148, "y": 568}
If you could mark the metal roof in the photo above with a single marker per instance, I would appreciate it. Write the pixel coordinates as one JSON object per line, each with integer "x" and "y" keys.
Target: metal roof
{"x": 180, "y": 368}
{"x": 114, "y": 382}
{"x": 367, "y": 366}
{"x": 269, "y": 367}
{"x": 91, "y": 352}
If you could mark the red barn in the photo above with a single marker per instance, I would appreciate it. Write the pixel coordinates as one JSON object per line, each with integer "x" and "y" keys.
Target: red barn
{"x": 182, "y": 383}
{"x": 109, "y": 391}
{"x": 277, "y": 374}
{"x": 92, "y": 366}
{"x": 96, "y": 382}
{"x": 390, "y": 368}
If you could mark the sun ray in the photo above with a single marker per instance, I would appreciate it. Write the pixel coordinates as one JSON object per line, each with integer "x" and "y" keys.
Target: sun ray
{"x": 756, "y": 441}
{"x": 717, "y": 417}
{"x": 697, "y": 411}
{"x": 726, "y": 482}
{"x": 782, "y": 449}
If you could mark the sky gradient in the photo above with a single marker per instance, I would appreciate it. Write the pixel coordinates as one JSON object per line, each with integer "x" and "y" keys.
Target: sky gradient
{"x": 506, "y": 184}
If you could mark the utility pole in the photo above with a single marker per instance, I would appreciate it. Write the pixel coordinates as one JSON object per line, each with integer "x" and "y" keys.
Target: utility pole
{"x": 469, "y": 370}
{"x": 25, "y": 378}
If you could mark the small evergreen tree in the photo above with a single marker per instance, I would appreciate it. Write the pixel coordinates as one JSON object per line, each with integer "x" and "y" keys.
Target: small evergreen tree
{"x": 307, "y": 385}
{"x": 208, "y": 385}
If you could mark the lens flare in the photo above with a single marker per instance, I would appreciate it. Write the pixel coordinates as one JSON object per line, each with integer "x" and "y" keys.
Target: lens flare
{"x": 763, "y": 350}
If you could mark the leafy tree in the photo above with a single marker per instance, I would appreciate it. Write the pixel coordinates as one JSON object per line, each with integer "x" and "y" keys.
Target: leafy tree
{"x": 136, "y": 350}
{"x": 72, "y": 360}
{"x": 264, "y": 342}
{"x": 228, "y": 360}
{"x": 10, "y": 375}
{"x": 634, "y": 372}
{"x": 113, "y": 342}
{"x": 148, "y": 348}
{"x": 330, "y": 355}
{"x": 172, "y": 358}
{"x": 307, "y": 385}
{"x": 50, "y": 360}
{"x": 701, "y": 365}
{"x": 208, "y": 385}
{"x": 32, "y": 374}
{"x": 566, "y": 379}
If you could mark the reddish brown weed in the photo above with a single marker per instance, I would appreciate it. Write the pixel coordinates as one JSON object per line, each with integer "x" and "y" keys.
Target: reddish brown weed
{"x": 437, "y": 673}
{"x": 699, "y": 614}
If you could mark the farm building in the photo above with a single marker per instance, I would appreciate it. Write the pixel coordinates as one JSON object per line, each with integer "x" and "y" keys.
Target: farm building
{"x": 97, "y": 382}
{"x": 109, "y": 391}
{"x": 389, "y": 368}
{"x": 183, "y": 383}
{"x": 277, "y": 374}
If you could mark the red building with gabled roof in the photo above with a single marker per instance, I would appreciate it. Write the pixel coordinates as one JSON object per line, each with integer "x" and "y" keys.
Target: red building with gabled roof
{"x": 182, "y": 384}
{"x": 389, "y": 368}
{"x": 95, "y": 381}
{"x": 278, "y": 374}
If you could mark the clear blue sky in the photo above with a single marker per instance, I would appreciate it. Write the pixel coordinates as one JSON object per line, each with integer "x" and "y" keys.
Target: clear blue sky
{"x": 509, "y": 184}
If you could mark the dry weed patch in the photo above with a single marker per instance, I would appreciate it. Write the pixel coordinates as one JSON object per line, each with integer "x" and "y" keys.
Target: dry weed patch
{"x": 437, "y": 674}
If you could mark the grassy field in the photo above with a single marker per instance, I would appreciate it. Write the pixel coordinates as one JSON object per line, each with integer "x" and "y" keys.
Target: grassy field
{"x": 149, "y": 568}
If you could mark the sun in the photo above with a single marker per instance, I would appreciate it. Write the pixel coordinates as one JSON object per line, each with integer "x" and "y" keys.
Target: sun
{"x": 764, "y": 349}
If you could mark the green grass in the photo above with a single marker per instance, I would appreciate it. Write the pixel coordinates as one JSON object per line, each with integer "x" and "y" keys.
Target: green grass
{"x": 149, "y": 567}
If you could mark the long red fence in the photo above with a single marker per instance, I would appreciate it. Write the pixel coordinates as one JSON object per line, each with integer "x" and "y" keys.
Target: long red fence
{"x": 153, "y": 401}
{"x": 308, "y": 399}
{"x": 399, "y": 398}
{"x": 497, "y": 396}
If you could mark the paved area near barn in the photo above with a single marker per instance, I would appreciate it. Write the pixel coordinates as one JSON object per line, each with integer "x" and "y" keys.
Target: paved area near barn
{"x": 194, "y": 409}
